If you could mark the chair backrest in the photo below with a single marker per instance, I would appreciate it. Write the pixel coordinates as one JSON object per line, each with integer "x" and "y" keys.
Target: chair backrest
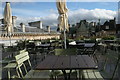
{"x": 69, "y": 51}
{"x": 112, "y": 57}
{"x": 22, "y": 51}
{"x": 53, "y": 44}
{"x": 21, "y": 58}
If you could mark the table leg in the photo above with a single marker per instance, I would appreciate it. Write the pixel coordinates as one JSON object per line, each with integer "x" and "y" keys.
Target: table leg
{"x": 69, "y": 75}
{"x": 52, "y": 75}
{"x": 79, "y": 74}
{"x": 65, "y": 75}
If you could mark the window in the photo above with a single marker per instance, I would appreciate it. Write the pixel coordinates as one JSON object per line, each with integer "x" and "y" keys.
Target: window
{"x": 106, "y": 27}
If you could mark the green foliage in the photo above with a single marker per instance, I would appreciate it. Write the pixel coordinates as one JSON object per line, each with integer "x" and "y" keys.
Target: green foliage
{"x": 109, "y": 38}
{"x": 80, "y": 38}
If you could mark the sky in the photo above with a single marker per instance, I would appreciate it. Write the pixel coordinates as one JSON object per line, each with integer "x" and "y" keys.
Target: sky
{"x": 48, "y": 14}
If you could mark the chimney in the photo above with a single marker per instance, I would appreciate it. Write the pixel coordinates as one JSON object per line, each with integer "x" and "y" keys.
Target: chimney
{"x": 23, "y": 27}
{"x": 48, "y": 29}
{"x": 14, "y": 22}
{"x": 40, "y": 24}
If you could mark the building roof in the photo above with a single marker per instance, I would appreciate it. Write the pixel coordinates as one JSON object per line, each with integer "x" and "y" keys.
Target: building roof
{"x": 111, "y": 24}
{"x": 34, "y": 22}
{"x": 34, "y": 29}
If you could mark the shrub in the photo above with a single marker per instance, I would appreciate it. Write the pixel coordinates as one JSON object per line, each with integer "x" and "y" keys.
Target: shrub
{"x": 109, "y": 38}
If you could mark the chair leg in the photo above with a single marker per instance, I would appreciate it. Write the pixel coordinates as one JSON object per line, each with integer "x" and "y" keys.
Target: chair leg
{"x": 104, "y": 66}
{"x": 79, "y": 76}
{"x": 20, "y": 72}
{"x": 17, "y": 73}
{"x": 25, "y": 67}
{"x": 8, "y": 73}
{"x": 115, "y": 68}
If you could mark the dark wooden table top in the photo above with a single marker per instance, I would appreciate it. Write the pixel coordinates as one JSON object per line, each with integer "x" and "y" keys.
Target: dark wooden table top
{"x": 63, "y": 62}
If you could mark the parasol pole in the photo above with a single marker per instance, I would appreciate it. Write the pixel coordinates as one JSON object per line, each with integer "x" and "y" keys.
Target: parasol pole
{"x": 65, "y": 38}
{"x": 65, "y": 45}
{"x": 9, "y": 35}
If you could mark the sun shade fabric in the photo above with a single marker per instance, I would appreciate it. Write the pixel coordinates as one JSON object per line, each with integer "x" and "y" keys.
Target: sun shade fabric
{"x": 8, "y": 18}
{"x": 63, "y": 17}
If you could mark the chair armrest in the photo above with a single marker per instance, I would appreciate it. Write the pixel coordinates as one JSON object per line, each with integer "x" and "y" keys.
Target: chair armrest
{"x": 10, "y": 65}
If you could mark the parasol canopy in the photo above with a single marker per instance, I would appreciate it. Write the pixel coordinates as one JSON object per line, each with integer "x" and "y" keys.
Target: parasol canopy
{"x": 63, "y": 17}
{"x": 8, "y": 18}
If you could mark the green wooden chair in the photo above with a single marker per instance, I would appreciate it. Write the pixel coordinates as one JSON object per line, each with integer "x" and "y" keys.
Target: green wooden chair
{"x": 38, "y": 74}
{"x": 20, "y": 62}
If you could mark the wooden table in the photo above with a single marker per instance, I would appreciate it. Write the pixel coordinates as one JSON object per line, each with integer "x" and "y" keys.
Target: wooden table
{"x": 87, "y": 45}
{"x": 63, "y": 63}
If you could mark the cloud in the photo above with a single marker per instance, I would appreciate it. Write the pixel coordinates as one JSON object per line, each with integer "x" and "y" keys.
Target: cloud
{"x": 74, "y": 16}
{"x": 50, "y": 20}
{"x": 55, "y": 0}
{"x": 95, "y": 14}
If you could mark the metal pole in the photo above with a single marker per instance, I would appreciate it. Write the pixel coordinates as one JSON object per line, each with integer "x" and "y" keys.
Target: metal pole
{"x": 10, "y": 40}
{"x": 65, "y": 39}
{"x": 65, "y": 33}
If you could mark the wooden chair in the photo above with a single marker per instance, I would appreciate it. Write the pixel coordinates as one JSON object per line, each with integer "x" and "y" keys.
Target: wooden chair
{"x": 102, "y": 74}
{"x": 53, "y": 44}
{"x": 32, "y": 73}
{"x": 30, "y": 47}
{"x": 112, "y": 58}
{"x": 20, "y": 62}
{"x": 80, "y": 49}
{"x": 9, "y": 64}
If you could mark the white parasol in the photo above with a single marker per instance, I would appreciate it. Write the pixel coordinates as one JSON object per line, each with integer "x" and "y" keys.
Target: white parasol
{"x": 63, "y": 17}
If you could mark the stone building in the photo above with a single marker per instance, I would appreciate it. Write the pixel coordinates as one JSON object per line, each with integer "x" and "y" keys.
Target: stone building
{"x": 118, "y": 25}
{"x": 22, "y": 27}
{"x": 118, "y": 30}
{"x": 82, "y": 29}
{"x": 108, "y": 28}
